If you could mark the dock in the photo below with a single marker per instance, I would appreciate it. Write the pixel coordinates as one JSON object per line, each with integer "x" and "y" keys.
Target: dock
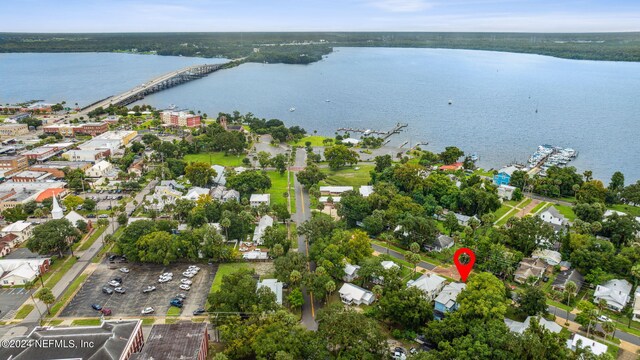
{"x": 384, "y": 134}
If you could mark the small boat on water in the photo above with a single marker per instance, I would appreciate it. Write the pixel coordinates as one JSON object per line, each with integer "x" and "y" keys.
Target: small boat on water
{"x": 292, "y": 109}
{"x": 450, "y": 102}
{"x": 474, "y": 157}
{"x": 327, "y": 100}
{"x": 172, "y": 107}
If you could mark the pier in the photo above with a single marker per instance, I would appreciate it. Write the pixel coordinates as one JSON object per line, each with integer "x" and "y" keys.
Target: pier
{"x": 384, "y": 134}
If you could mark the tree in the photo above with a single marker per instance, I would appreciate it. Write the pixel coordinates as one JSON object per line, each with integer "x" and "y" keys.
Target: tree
{"x": 82, "y": 226}
{"x": 528, "y": 233}
{"x": 589, "y": 212}
{"x": 53, "y": 236}
{"x": 451, "y": 222}
{"x": 330, "y": 287}
{"x": 199, "y": 173}
{"x": 570, "y": 289}
{"x": 158, "y": 247}
{"x": 281, "y": 211}
{"x": 89, "y": 204}
{"x": 518, "y": 179}
{"x": 295, "y": 299}
{"x": 226, "y": 223}
{"x": 46, "y": 296}
{"x": 15, "y": 213}
{"x": 310, "y": 176}
{"x": 339, "y": 155}
{"x": 290, "y": 267}
{"x": 238, "y": 294}
{"x": 264, "y": 159}
{"x": 103, "y": 222}
{"x": 450, "y": 155}
{"x": 274, "y": 235}
{"x": 591, "y": 192}
{"x": 353, "y": 207}
{"x": 249, "y": 182}
{"x": 587, "y": 315}
{"x": 532, "y": 302}
{"x": 608, "y": 328}
{"x": 483, "y": 298}
{"x": 382, "y": 162}
{"x": 405, "y": 306}
{"x": 280, "y": 163}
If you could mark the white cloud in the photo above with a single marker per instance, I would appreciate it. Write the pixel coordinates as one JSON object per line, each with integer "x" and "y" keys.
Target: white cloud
{"x": 401, "y": 5}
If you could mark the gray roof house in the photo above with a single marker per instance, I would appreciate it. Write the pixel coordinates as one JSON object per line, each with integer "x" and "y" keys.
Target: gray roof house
{"x": 275, "y": 286}
{"x": 520, "y": 327}
{"x": 350, "y": 272}
{"x": 615, "y": 292}
{"x": 265, "y": 222}
{"x": 564, "y": 277}
{"x": 440, "y": 243}
{"x": 446, "y": 301}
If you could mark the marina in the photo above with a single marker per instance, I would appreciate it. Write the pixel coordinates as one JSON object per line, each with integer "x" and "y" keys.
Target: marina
{"x": 384, "y": 134}
{"x": 548, "y": 155}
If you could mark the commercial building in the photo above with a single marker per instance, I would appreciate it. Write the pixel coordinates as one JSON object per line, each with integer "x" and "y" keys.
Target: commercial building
{"x": 21, "y": 271}
{"x": 86, "y": 155}
{"x": 71, "y": 130}
{"x": 56, "y": 168}
{"x": 100, "y": 169}
{"x": 12, "y": 164}
{"x": 30, "y": 176}
{"x": 180, "y": 118}
{"x": 123, "y": 136}
{"x": 12, "y": 130}
{"x": 181, "y": 341}
{"x": 112, "y": 340}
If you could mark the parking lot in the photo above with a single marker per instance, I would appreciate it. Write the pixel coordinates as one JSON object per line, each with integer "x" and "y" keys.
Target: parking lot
{"x": 134, "y": 300}
{"x": 11, "y": 299}
{"x": 105, "y": 200}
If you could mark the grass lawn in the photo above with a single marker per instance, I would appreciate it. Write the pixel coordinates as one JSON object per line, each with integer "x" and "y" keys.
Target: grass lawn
{"x": 92, "y": 239}
{"x": 510, "y": 214}
{"x": 315, "y": 141}
{"x": 24, "y": 311}
{"x": 483, "y": 172}
{"x": 525, "y": 203}
{"x": 174, "y": 311}
{"x": 53, "y": 280}
{"x": 223, "y": 270}
{"x": 62, "y": 300}
{"x": 503, "y": 210}
{"x": 613, "y": 350}
{"x": 631, "y": 210}
{"x": 54, "y": 322}
{"x": 217, "y": 158}
{"x": 567, "y": 211}
{"x": 539, "y": 207}
{"x": 559, "y": 305}
{"x": 148, "y": 321}
{"x": 86, "y": 322}
{"x": 278, "y": 187}
{"x": 348, "y": 176}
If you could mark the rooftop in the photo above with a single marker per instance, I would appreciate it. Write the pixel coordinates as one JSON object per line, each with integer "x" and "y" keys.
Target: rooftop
{"x": 181, "y": 341}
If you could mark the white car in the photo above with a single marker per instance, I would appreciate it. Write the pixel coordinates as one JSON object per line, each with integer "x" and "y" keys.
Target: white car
{"x": 188, "y": 274}
{"x": 185, "y": 287}
{"x": 147, "y": 310}
{"x": 114, "y": 283}
{"x": 168, "y": 274}
{"x": 193, "y": 268}
{"x": 163, "y": 280}
{"x": 124, "y": 270}
{"x": 604, "y": 318}
{"x": 186, "y": 281}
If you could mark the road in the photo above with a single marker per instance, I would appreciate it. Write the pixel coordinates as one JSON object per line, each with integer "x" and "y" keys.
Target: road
{"x": 303, "y": 213}
{"x": 397, "y": 255}
{"x": 561, "y": 313}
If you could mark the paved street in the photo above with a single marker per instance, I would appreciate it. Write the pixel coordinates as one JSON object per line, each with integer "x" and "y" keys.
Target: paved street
{"x": 397, "y": 255}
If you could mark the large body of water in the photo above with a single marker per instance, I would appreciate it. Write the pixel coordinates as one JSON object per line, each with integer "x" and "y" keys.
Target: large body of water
{"x": 590, "y": 106}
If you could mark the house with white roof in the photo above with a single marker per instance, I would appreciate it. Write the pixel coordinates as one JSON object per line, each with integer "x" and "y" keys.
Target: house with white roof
{"x": 195, "y": 192}
{"x": 506, "y": 191}
{"x": 386, "y": 265}
{"x": 580, "y": 342}
{"x": 334, "y": 190}
{"x": 260, "y": 199}
{"x": 220, "y": 178}
{"x": 264, "y": 223}
{"x": 355, "y": 295}
{"x": 100, "y": 169}
{"x": 636, "y": 305}
{"x": 446, "y": 300}
{"x": 615, "y": 292}
{"x": 22, "y": 229}
{"x": 163, "y": 196}
{"x": 221, "y": 193}
{"x": 430, "y": 284}
{"x": 275, "y": 286}
{"x": 21, "y": 271}
{"x": 441, "y": 242}
{"x": 74, "y": 217}
{"x": 554, "y": 217}
{"x": 350, "y": 272}
{"x": 552, "y": 258}
{"x": 520, "y": 327}
{"x": 366, "y": 190}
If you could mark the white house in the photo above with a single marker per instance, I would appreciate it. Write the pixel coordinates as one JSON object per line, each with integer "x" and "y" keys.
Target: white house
{"x": 220, "y": 178}
{"x": 366, "y": 190}
{"x": 553, "y": 217}
{"x": 74, "y": 217}
{"x": 430, "y": 284}
{"x": 163, "y": 196}
{"x": 520, "y": 327}
{"x": 636, "y": 305}
{"x": 264, "y": 223}
{"x": 552, "y": 258}
{"x": 615, "y": 292}
{"x": 195, "y": 192}
{"x": 275, "y": 286}
{"x": 100, "y": 169}
{"x": 579, "y": 341}
{"x": 21, "y": 271}
{"x": 506, "y": 191}
{"x": 355, "y": 295}
{"x": 22, "y": 229}
{"x": 334, "y": 190}
{"x": 260, "y": 199}
{"x": 223, "y": 194}
{"x": 350, "y": 272}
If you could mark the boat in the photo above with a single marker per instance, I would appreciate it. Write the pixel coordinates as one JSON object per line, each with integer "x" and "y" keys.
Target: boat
{"x": 474, "y": 157}
{"x": 292, "y": 109}
{"x": 327, "y": 100}
{"x": 450, "y": 102}
{"x": 171, "y": 107}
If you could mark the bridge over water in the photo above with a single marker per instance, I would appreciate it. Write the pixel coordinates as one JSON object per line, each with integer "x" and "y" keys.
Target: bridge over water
{"x": 158, "y": 84}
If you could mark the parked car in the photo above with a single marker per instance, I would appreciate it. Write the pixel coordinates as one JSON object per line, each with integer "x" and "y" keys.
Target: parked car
{"x": 186, "y": 281}
{"x": 604, "y": 318}
{"x": 120, "y": 290}
{"x": 163, "y": 280}
{"x": 124, "y": 270}
{"x": 175, "y": 303}
{"x": 96, "y": 307}
{"x": 113, "y": 257}
{"x": 107, "y": 290}
{"x": 147, "y": 310}
{"x": 185, "y": 287}
{"x": 188, "y": 274}
{"x": 118, "y": 279}
{"x": 103, "y": 216}
{"x": 91, "y": 216}
{"x": 106, "y": 311}
{"x": 181, "y": 296}
{"x": 114, "y": 283}
{"x": 167, "y": 274}
{"x": 149, "y": 289}
{"x": 199, "y": 311}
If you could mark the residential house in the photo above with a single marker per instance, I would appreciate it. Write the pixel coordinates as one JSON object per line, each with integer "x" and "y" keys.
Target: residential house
{"x": 430, "y": 284}
{"x": 179, "y": 341}
{"x": 137, "y": 167}
{"x": 355, "y": 295}
{"x": 553, "y": 217}
{"x": 636, "y": 305}
{"x": 528, "y": 268}
{"x": 260, "y": 199}
{"x": 504, "y": 175}
{"x": 264, "y": 223}
{"x": 220, "y": 178}
{"x": 100, "y": 169}
{"x": 366, "y": 190}
{"x": 552, "y": 257}
{"x": 275, "y": 286}
{"x": 615, "y": 292}
{"x": 221, "y": 193}
{"x": 520, "y": 327}
{"x": 441, "y": 242}
{"x": 452, "y": 167}
{"x": 163, "y": 196}
{"x": 446, "y": 300}
{"x": 111, "y": 340}
{"x": 350, "y": 272}
{"x": 195, "y": 192}
{"x": 505, "y": 192}
{"x": 22, "y": 229}
{"x": 22, "y": 271}
{"x": 10, "y": 240}
{"x": 334, "y": 190}
{"x": 5, "y": 244}
{"x": 386, "y": 265}
{"x": 580, "y": 342}
{"x": 172, "y": 184}
{"x": 73, "y": 217}
{"x": 560, "y": 283}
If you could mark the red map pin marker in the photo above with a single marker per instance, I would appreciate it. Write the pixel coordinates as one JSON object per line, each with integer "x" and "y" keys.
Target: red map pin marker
{"x": 464, "y": 269}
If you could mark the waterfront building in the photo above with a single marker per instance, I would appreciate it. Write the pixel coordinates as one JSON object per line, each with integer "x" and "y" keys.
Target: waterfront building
{"x": 180, "y": 118}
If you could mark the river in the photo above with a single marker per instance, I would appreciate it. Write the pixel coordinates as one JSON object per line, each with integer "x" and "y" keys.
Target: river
{"x": 591, "y": 106}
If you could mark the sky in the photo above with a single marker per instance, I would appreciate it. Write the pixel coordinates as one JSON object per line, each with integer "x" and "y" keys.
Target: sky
{"x": 319, "y": 15}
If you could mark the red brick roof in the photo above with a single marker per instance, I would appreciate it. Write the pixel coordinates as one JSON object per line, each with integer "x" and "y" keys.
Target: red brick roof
{"x": 49, "y": 193}
{"x": 454, "y": 166}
